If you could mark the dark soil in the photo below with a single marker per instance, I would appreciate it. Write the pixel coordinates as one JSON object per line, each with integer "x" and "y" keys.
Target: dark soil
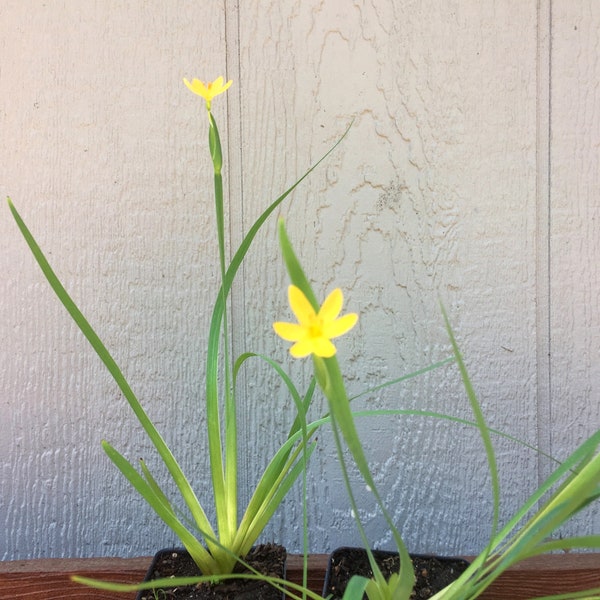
{"x": 268, "y": 559}
{"x": 432, "y": 573}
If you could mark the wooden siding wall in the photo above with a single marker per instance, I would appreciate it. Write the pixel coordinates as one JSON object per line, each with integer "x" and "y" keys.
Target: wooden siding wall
{"x": 470, "y": 175}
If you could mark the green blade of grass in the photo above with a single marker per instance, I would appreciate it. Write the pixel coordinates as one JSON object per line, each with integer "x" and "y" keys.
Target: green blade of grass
{"x": 105, "y": 356}
{"x": 483, "y": 428}
{"x": 200, "y": 555}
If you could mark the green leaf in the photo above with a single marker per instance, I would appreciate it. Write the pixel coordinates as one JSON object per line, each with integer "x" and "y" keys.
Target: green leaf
{"x": 202, "y": 558}
{"x": 483, "y": 428}
{"x": 100, "y": 349}
{"x": 356, "y": 587}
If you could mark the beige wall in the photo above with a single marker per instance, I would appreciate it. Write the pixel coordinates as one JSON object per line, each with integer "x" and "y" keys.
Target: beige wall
{"x": 470, "y": 175}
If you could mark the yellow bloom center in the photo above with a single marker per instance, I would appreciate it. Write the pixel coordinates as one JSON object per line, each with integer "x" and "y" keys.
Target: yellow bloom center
{"x": 314, "y": 331}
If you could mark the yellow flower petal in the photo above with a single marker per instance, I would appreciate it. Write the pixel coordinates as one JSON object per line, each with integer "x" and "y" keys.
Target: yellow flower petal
{"x": 340, "y": 326}
{"x": 323, "y": 347}
{"x": 197, "y": 87}
{"x": 301, "y": 349}
{"x": 330, "y": 309}
{"x": 300, "y": 306}
{"x": 290, "y": 332}
{"x": 217, "y": 86}
{"x": 319, "y": 346}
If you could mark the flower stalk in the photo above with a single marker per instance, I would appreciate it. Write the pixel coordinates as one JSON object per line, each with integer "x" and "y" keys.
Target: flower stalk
{"x": 215, "y": 550}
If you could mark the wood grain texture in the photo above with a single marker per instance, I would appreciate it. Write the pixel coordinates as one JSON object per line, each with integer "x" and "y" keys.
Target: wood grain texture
{"x": 575, "y": 233}
{"x": 103, "y": 156}
{"x": 434, "y": 183}
{"x": 49, "y": 579}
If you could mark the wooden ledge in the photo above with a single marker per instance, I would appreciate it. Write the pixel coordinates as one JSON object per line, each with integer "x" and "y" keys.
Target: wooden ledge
{"x": 48, "y": 578}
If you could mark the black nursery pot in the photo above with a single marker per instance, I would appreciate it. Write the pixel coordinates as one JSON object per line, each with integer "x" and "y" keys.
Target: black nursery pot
{"x": 432, "y": 573}
{"x": 268, "y": 559}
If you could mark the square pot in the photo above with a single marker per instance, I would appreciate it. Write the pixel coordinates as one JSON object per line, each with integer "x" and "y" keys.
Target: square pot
{"x": 268, "y": 559}
{"x": 432, "y": 573}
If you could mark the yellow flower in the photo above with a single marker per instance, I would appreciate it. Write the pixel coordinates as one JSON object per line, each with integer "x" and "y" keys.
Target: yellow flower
{"x": 207, "y": 90}
{"x": 314, "y": 331}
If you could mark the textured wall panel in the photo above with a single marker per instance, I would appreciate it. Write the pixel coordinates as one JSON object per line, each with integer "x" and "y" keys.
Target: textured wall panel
{"x": 104, "y": 154}
{"x": 575, "y": 232}
{"x": 432, "y": 195}
{"x": 441, "y": 190}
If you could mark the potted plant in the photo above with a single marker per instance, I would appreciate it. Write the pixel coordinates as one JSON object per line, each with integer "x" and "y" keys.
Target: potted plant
{"x": 217, "y": 552}
{"x": 573, "y": 485}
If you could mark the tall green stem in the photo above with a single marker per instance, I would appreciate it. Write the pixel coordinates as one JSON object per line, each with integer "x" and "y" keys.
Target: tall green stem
{"x": 223, "y": 462}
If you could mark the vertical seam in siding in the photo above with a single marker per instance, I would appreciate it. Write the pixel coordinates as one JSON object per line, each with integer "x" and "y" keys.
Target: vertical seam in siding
{"x": 233, "y": 174}
{"x": 543, "y": 239}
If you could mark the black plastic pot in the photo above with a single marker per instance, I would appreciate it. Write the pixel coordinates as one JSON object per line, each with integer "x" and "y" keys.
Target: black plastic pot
{"x": 268, "y": 559}
{"x": 432, "y": 573}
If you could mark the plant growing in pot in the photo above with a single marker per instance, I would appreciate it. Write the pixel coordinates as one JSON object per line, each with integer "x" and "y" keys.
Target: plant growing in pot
{"x": 218, "y": 550}
{"x": 312, "y": 335}
{"x": 573, "y": 485}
